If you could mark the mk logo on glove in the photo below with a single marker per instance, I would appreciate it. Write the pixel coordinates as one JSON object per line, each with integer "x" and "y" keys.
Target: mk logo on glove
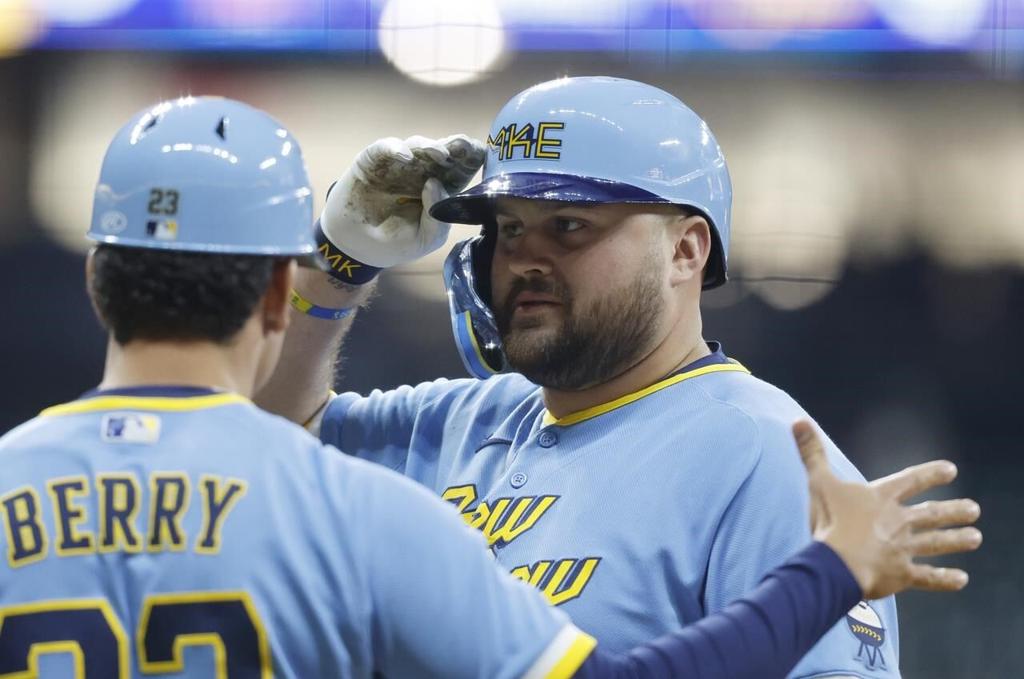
{"x": 340, "y": 265}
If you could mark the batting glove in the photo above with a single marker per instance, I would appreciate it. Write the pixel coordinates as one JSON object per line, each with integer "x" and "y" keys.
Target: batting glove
{"x": 378, "y": 213}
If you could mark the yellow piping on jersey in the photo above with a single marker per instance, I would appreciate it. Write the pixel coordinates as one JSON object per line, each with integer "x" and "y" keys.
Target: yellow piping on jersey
{"x": 573, "y": 658}
{"x": 164, "y": 403}
{"x": 594, "y": 411}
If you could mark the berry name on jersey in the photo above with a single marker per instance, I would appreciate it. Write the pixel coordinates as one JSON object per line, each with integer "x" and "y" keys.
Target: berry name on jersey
{"x": 115, "y": 512}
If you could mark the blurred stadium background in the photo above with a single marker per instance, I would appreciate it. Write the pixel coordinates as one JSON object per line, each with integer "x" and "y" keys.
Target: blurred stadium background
{"x": 877, "y": 152}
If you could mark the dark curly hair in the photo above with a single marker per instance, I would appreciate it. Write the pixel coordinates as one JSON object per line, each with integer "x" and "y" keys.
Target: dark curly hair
{"x": 146, "y": 294}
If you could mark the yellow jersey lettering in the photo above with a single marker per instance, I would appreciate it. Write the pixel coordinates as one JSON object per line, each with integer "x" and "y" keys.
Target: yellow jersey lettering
{"x": 488, "y": 517}
{"x": 565, "y": 582}
{"x": 219, "y": 498}
{"x": 526, "y": 512}
{"x": 168, "y": 502}
{"x": 26, "y": 535}
{"x": 532, "y": 575}
{"x": 119, "y": 507}
{"x": 501, "y": 520}
{"x": 569, "y": 579}
{"x": 68, "y": 515}
{"x": 460, "y": 496}
{"x": 544, "y": 141}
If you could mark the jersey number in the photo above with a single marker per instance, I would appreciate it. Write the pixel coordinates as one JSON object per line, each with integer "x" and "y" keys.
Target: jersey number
{"x": 96, "y": 640}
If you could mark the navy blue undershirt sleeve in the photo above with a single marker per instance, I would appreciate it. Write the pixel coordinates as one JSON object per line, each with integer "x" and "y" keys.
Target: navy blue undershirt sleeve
{"x": 762, "y": 635}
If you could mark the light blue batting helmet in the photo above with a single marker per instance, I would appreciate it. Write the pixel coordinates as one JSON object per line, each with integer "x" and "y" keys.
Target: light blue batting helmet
{"x": 581, "y": 140}
{"x": 205, "y": 174}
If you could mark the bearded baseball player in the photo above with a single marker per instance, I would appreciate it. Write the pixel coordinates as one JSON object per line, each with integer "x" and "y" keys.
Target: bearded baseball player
{"x": 611, "y": 456}
{"x": 164, "y": 508}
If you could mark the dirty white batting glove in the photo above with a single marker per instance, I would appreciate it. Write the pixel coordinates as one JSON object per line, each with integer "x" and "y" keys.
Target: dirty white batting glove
{"x": 378, "y": 213}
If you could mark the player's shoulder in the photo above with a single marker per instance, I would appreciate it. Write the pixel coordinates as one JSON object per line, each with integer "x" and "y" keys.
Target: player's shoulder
{"x": 748, "y": 393}
{"x": 747, "y": 401}
{"x": 36, "y": 431}
{"x": 772, "y": 411}
{"x": 503, "y": 387}
{"x": 463, "y": 395}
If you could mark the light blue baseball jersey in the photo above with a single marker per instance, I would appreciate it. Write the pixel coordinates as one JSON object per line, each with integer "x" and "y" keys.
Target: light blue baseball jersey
{"x": 179, "y": 530}
{"x": 636, "y": 517}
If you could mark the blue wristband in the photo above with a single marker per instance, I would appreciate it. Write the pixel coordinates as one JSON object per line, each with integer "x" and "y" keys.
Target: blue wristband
{"x": 305, "y": 306}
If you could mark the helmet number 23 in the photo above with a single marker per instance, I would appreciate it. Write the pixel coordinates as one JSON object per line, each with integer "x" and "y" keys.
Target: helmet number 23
{"x": 163, "y": 202}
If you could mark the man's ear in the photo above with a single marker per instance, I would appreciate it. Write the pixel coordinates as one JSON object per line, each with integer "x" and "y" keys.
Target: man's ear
{"x": 692, "y": 236}
{"x": 275, "y": 303}
{"x": 90, "y": 268}
{"x": 90, "y": 272}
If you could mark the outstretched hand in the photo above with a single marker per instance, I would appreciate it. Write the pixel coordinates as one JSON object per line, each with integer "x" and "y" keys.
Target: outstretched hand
{"x": 876, "y": 535}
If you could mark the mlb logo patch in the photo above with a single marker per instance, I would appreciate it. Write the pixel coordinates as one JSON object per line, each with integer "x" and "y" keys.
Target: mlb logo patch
{"x": 130, "y": 428}
{"x": 162, "y": 229}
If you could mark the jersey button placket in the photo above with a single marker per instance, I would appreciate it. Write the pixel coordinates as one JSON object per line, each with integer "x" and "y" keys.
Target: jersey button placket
{"x": 547, "y": 439}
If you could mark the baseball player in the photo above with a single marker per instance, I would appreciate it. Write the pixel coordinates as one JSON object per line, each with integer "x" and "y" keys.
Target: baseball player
{"x": 164, "y": 524}
{"x": 601, "y": 426}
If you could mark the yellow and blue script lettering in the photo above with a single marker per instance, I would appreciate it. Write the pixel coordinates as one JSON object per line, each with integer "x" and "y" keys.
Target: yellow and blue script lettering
{"x": 505, "y": 519}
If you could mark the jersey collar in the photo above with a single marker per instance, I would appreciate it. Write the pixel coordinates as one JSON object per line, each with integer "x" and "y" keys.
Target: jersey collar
{"x": 715, "y": 362}
{"x": 147, "y": 397}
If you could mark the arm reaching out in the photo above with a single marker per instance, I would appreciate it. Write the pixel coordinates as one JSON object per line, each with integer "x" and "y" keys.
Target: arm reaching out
{"x": 376, "y": 216}
{"x": 876, "y": 536}
{"x": 866, "y": 541}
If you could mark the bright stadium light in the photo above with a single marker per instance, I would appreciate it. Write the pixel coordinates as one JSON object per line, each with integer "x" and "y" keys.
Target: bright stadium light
{"x": 20, "y": 25}
{"x": 935, "y": 22}
{"x": 83, "y": 12}
{"x": 442, "y": 42}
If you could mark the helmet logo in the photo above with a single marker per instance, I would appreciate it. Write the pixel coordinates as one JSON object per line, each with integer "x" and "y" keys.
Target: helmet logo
{"x": 528, "y": 140}
{"x": 113, "y": 221}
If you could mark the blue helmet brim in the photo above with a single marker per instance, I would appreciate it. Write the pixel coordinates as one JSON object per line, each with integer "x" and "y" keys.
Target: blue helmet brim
{"x": 475, "y": 205}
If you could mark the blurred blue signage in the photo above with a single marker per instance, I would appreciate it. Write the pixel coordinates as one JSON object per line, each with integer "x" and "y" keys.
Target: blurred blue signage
{"x": 663, "y": 26}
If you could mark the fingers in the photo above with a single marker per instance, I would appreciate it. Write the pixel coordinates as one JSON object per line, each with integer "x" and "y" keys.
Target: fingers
{"x": 387, "y": 149}
{"x": 432, "y": 233}
{"x": 917, "y": 479}
{"x": 935, "y": 579}
{"x": 939, "y": 514}
{"x": 469, "y": 154}
{"x": 812, "y": 452}
{"x": 937, "y": 542}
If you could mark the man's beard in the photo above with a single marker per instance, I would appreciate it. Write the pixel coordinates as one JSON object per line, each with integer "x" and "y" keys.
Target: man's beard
{"x": 594, "y": 344}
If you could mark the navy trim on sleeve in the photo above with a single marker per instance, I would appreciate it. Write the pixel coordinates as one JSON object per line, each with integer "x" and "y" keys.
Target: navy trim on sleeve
{"x": 762, "y": 635}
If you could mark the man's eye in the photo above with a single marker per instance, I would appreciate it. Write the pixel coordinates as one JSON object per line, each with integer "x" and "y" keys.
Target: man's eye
{"x": 565, "y": 225}
{"x": 509, "y": 230}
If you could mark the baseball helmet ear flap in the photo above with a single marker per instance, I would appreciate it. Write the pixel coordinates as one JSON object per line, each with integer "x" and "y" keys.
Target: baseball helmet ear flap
{"x": 467, "y": 279}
